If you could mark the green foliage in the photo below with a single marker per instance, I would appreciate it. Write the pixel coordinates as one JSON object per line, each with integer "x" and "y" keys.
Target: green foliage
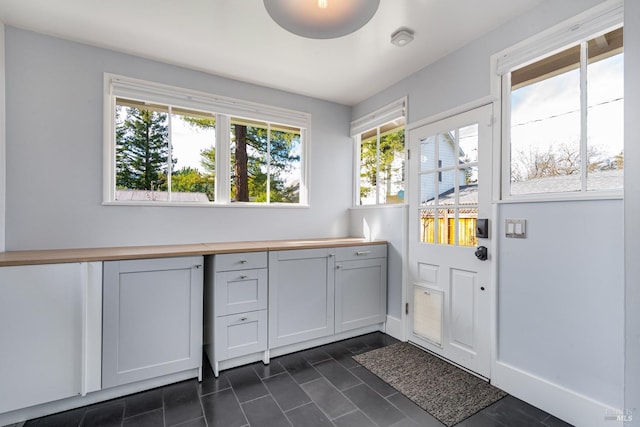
{"x": 376, "y": 160}
{"x": 190, "y": 180}
{"x": 142, "y": 147}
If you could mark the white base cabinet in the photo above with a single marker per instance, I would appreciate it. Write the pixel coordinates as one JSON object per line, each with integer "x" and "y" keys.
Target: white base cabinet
{"x": 49, "y": 322}
{"x": 152, "y": 318}
{"x": 361, "y": 287}
{"x": 235, "y": 309}
{"x": 301, "y": 295}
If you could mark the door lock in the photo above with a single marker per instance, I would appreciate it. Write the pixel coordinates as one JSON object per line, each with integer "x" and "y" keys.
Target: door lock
{"x": 482, "y": 253}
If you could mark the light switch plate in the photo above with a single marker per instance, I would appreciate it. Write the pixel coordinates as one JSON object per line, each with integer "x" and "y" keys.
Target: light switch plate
{"x": 515, "y": 228}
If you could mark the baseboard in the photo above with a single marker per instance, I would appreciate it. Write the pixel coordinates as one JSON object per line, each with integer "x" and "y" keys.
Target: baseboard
{"x": 394, "y": 328}
{"x": 568, "y": 405}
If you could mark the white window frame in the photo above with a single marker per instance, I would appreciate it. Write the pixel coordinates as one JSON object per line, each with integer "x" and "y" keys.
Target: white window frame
{"x": 224, "y": 108}
{"x": 581, "y": 28}
{"x": 388, "y": 113}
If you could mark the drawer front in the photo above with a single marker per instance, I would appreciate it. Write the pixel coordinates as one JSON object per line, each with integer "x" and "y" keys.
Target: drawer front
{"x": 241, "y": 334}
{"x": 240, "y": 291}
{"x": 241, "y": 261}
{"x": 353, "y": 253}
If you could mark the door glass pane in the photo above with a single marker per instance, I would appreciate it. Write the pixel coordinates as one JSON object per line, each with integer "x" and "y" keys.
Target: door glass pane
{"x": 427, "y": 188}
{"x": 427, "y": 225}
{"x": 446, "y": 226}
{"x": 467, "y": 226}
{"x": 447, "y": 155}
{"x": 368, "y": 171}
{"x": 427, "y": 154}
{"x": 193, "y": 136}
{"x": 605, "y": 114}
{"x": 447, "y": 187}
{"x": 468, "y": 142}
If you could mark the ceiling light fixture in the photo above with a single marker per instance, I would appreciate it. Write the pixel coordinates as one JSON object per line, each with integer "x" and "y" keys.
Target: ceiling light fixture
{"x": 321, "y": 19}
{"x": 402, "y": 37}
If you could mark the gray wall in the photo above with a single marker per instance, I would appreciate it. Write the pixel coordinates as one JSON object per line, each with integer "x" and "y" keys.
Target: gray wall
{"x": 2, "y": 140}
{"x": 561, "y": 295}
{"x": 632, "y": 208}
{"x": 54, "y": 142}
{"x": 571, "y": 265}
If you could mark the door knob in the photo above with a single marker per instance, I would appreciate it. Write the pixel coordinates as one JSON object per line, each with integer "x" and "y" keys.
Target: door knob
{"x": 482, "y": 253}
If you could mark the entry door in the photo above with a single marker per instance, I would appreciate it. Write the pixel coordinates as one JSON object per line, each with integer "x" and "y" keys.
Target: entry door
{"x": 449, "y": 189}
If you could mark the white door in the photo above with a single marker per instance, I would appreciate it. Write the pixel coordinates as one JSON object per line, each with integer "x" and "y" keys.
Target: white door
{"x": 449, "y": 188}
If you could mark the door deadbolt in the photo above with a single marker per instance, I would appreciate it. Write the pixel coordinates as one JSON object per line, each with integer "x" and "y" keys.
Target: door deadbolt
{"x": 481, "y": 253}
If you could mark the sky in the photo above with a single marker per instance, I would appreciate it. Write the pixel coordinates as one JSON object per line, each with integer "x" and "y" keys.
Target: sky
{"x": 551, "y": 108}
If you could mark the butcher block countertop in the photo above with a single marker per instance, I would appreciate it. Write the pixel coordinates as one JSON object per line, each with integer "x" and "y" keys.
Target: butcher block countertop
{"x": 58, "y": 256}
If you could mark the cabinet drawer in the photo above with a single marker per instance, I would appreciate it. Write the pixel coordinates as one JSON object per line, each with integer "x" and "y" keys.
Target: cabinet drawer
{"x": 240, "y": 291}
{"x": 241, "y": 334}
{"x": 241, "y": 261}
{"x": 353, "y": 253}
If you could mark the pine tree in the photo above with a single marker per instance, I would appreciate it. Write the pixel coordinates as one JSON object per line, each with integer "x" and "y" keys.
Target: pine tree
{"x": 142, "y": 146}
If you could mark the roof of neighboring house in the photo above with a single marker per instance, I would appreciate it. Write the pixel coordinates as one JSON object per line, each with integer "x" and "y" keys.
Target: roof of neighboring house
{"x": 596, "y": 181}
{"x": 160, "y": 196}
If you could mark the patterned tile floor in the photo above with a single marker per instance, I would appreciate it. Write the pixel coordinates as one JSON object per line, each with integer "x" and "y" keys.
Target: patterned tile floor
{"x": 323, "y": 386}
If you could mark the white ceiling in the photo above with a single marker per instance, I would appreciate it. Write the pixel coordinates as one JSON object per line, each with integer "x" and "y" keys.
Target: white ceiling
{"x": 238, "y": 39}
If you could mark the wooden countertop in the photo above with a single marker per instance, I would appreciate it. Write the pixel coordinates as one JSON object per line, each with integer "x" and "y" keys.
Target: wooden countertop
{"x": 59, "y": 256}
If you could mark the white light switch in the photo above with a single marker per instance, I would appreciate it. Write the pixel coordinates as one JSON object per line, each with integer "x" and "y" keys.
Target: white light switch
{"x": 515, "y": 228}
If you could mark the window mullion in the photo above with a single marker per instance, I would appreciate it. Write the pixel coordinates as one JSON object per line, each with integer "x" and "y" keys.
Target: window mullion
{"x": 268, "y": 157}
{"x": 223, "y": 159}
{"x": 378, "y": 165}
{"x": 169, "y": 152}
{"x": 584, "y": 103}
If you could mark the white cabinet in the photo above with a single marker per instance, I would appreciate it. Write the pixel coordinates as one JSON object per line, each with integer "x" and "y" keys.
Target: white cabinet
{"x": 361, "y": 286}
{"x": 152, "y": 318}
{"x": 235, "y": 309}
{"x": 301, "y": 295}
{"x": 50, "y": 327}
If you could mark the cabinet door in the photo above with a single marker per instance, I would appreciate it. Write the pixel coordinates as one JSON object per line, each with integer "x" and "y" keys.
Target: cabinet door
{"x": 361, "y": 293}
{"x": 152, "y": 318}
{"x": 301, "y": 296}
{"x": 41, "y": 328}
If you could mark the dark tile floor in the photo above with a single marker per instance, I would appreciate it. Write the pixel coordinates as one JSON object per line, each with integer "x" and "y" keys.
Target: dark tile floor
{"x": 323, "y": 386}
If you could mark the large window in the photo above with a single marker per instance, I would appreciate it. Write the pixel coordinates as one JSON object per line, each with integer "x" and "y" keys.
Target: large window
{"x": 380, "y": 157}
{"x": 563, "y": 120}
{"x": 161, "y": 151}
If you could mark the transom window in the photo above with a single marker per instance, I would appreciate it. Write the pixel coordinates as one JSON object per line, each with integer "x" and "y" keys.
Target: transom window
{"x": 164, "y": 152}
{"x": 564, "y": 120}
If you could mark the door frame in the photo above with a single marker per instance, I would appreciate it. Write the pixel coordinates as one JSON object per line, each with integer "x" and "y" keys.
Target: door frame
{"x": 496, "y": 160}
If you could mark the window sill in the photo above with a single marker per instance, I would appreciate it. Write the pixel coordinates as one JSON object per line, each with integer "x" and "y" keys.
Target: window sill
{"x": 207, "y": 205}
{"x": 390, "y": 206}
{"x": 561, "y": 197}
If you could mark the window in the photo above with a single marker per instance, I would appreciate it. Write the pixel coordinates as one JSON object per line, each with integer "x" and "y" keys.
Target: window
{"x": 380, "y": 146}
{"x": 563, "y": 119}
{"x": 163, "y": 153}
{"x": 173, "y": 146}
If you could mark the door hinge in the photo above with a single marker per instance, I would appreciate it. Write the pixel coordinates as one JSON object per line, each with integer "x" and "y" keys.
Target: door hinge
{"x": 406, "y": 308}
{"x": 408, "y": 154}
